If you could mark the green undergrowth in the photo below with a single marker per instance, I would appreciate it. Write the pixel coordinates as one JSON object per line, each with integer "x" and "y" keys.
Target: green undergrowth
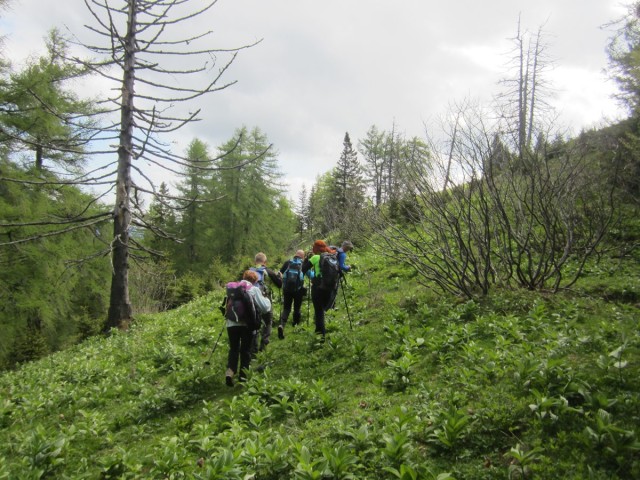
{"x": 408, "y": 385}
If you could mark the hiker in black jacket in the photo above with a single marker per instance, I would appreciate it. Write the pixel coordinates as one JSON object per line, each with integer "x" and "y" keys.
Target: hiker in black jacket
{"x": 293, "y": 290}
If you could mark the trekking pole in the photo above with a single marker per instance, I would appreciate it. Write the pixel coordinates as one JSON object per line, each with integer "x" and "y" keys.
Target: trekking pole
{"x": 208, "y": 362}
{"x": 343, "y": 282}
{"x": 308, "y": 302}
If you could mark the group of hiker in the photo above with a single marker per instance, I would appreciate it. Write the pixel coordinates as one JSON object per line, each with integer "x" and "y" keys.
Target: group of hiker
{"x": 248, "y": 305}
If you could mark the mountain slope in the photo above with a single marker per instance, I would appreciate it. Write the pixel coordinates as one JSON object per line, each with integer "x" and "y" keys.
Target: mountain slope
{"x": 409, "y": 385}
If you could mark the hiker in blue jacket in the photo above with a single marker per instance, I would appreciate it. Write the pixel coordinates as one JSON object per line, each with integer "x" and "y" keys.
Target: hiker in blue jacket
{"x": 346, "y": 247}
{"x": 293, "y": 290}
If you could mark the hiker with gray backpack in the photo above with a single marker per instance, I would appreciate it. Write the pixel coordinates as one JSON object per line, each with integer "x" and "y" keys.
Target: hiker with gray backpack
{"x": 293, "y": 290}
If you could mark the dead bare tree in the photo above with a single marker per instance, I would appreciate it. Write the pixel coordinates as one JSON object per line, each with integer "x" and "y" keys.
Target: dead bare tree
{"x": 157, "y": 62}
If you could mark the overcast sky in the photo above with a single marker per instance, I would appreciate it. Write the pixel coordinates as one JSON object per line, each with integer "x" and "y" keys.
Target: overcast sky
{"x": 328, "y": 67}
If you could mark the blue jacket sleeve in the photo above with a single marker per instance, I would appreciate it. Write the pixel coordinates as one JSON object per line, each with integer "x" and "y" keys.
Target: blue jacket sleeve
{"x": 342, "y": 257}
{"x": 308, "y": 268}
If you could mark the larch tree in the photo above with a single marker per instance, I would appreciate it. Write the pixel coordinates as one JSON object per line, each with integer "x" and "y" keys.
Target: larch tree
{"x": 372, "y": 149}
{"x": 41, "y": 114}
{"x": 161, "y": 222}
{"x": 523, "y": 104}
{"x": 252, "y": 215}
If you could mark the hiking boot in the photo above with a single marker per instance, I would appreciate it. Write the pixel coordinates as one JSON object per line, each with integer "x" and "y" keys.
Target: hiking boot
{"x": 229, "y": 378}
{"x": 280, "y": 332}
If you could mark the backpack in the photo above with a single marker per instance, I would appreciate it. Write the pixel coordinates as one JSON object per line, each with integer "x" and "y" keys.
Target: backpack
{"x": 329, "y": 270}
{"x": 293, "y": 278}
{"x": 240, "y": 306}
{"x": 261, "y": 284}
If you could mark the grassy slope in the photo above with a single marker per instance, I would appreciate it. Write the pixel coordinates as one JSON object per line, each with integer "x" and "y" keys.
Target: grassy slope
{"x": 520, "y": 385}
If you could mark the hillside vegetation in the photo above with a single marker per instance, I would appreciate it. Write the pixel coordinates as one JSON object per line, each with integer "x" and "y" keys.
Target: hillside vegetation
{"x": 409, "y": 385}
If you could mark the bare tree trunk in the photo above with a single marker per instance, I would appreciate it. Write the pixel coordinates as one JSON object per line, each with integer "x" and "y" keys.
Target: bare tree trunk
{"x": 447, "y": 176}
{"x": 39, "y": 156}
{"x": 120, "y": 306}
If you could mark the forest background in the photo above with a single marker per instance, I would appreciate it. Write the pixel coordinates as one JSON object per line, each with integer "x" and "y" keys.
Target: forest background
{"x": 497, "y": 197}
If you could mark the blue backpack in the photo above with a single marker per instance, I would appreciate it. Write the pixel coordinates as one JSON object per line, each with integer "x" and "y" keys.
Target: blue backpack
{"x": 293, "y": 278}
{"x": 261, "y": 271}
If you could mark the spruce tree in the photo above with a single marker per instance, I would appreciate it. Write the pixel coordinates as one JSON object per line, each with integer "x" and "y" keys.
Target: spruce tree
{"x": 348, "y": 190}
{"x": 302, "y": 212}
{"x": 347, "y": 178}
{"x": 192, "y": 224}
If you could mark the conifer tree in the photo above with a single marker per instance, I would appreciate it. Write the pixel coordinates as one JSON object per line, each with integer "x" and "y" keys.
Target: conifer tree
{"x": 43, "y": 116}
{"x": 624, "y": 59}
{"x": 302, "y": 211}
{"x": 161, "y": 222}
{"x": 347, "y": 178}
{"x": 193, "y": 190}
{"x": 323, "y": 214}
{"x": 372, "y": 149}
{"x": 253, "y": 215}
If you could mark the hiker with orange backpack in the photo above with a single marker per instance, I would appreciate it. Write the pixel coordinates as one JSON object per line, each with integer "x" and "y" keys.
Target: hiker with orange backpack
{"x": 323, "y": 268}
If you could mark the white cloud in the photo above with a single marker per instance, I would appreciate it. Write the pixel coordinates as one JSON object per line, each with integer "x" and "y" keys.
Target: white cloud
{"x": 324, "y": 68}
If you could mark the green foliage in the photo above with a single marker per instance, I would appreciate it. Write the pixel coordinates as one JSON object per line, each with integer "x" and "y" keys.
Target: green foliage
{"x": 42, "y": 116}
{"x": 255, "y": 216}
{"x": 52, "y": 290}
{"x": 185, "y": 289}
{"x": 623, "y": 55}
{"x": 516, "y": 386}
